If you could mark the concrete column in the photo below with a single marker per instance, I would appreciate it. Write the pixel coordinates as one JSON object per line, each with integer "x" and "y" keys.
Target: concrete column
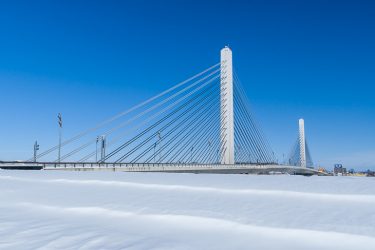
{"x": 226, "y": 103}
{"x": 302, "y": 143}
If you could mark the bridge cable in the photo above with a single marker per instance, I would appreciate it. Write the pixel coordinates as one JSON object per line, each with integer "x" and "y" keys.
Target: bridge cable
{"x": 172, "y": 130}
{"x": 149, "y": 118}
{"x": 251, "y": 140}
{"x": 121, "y": 147}
{"x": 260, "y": 138}
{"x": 259, "y": 132}
{"x": 108, "y": 132}
{"x": 185, "y": 129}
{"x": 80, "y": 135}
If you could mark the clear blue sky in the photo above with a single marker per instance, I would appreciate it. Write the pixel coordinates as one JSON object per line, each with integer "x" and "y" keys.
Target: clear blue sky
{"x": 92, "y": 59}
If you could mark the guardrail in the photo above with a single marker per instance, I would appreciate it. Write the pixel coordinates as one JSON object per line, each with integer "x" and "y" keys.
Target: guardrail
{"x": 161, "y": 167}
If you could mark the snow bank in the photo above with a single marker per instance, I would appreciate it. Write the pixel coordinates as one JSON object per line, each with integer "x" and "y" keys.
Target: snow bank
{"x": 92, "y": 210}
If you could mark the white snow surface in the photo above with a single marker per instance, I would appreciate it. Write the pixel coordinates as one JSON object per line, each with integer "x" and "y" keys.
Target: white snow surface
{"x": 117, "y": 210}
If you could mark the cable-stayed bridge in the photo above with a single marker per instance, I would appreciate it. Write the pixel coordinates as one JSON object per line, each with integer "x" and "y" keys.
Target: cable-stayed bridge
{"x": 202, "y": 124}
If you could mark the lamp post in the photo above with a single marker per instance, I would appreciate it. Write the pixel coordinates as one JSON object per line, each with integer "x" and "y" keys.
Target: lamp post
{"x": 36, "y": 148}
{"x": 96, "y": 149}
{"x": 102, "y": 147}
{"x": 59, "y": 118}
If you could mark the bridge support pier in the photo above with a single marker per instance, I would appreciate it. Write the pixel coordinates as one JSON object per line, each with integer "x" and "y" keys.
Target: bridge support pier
{"x": 226, "y": 103}
{"x": 302, "y": 143}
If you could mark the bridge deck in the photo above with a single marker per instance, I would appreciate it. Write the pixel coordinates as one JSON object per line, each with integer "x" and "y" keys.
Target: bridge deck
{"x": 170, "y": 168}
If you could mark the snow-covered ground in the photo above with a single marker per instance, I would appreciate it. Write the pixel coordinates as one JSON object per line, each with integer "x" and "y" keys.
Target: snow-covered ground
{"x": 114, "y": 210}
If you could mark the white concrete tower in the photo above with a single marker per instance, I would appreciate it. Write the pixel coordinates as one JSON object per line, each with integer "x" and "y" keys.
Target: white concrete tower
{"x": 302, "y": 143}
{"x": 226, "y": 103}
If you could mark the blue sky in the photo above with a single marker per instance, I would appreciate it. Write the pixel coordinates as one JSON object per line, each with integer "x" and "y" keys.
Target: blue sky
{"x": 92, "y": 59}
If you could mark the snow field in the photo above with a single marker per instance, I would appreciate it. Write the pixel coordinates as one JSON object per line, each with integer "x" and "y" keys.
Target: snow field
{"x": 115, "y": 210}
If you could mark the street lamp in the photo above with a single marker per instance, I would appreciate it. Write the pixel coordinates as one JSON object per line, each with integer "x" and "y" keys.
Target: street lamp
{"x": 59, "y": 119}
{"x": 96, "y": 149}
{"x": 36, "y": 148}
{"x": 102, "y": 146}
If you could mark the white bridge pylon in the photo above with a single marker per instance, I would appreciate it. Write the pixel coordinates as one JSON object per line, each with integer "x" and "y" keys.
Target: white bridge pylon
{"x": 226, "y": 106}
{"x": 302, "y": 143}
{"x": 300, "y": 155}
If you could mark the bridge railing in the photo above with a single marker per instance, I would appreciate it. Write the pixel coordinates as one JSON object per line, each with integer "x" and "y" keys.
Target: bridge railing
{"x": 153, "y": 166}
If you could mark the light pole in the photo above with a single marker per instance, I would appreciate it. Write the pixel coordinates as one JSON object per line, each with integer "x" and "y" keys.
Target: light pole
{"x": 103, "y": 146}
{"x": 96, "y": 149}
{"x": 36, "y": 148}
{"x": 60, "y": 134}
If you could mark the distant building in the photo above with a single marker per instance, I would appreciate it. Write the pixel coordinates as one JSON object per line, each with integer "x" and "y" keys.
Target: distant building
{"x": 370, "y": 173}
{"x": 339, "y": 169}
